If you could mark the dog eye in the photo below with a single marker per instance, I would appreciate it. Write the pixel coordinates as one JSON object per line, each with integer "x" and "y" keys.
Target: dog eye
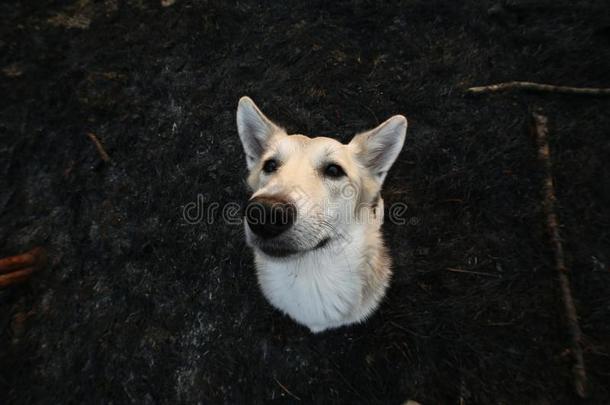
{"x": 270, "y": 166}
{"x": 333, "y": 170}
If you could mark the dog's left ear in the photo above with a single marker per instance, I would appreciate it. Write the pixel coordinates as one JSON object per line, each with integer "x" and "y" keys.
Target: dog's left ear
{"x": 378, "y": 148}
{"x": 255, "y": 130}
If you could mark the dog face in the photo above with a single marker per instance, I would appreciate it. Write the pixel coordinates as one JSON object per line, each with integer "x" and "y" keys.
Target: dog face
{"x": 309, "y": 192}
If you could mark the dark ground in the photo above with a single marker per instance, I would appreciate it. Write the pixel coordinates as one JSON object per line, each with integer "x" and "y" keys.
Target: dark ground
{"x": 144, "y": 307}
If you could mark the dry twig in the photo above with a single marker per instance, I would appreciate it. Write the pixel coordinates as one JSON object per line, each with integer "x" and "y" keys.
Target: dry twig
{"x": 548, "y": 88}
{"x": 17, "y": 269}
{"x": 15, "y": 277}
{"x": 540, "y": 131}
{"x": 286, "y": 390}
{"x": 478, "y": 273}
{"x": 33, "y": 258}
{"x": 100, "y": 148}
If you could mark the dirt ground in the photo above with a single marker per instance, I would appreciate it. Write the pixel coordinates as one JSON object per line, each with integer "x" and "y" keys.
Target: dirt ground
{"x": 143, "y": 307}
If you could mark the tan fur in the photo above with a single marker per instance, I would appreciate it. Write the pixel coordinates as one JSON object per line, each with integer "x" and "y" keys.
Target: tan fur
{"x": 339, "y": 268}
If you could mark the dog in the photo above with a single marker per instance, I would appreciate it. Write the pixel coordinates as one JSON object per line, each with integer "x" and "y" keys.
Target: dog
{"x": 314, "y": 218}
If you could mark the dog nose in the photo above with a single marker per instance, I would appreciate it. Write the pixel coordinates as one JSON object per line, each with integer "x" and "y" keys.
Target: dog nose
{"x": 268, "y": 217}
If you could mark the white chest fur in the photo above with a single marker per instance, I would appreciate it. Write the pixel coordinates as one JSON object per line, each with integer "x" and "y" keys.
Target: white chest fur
{"x": 320, "y": 289}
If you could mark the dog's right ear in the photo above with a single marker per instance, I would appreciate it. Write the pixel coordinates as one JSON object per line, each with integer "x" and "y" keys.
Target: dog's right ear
{"x": 378, "y": 148}
{"x": 255, "y": 130}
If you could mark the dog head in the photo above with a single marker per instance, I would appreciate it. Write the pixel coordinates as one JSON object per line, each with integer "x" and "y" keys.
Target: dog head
{"x": 309, "y": 192}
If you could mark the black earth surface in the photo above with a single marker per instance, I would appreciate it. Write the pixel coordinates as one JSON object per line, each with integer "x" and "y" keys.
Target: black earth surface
{"x": 141, "y": 305}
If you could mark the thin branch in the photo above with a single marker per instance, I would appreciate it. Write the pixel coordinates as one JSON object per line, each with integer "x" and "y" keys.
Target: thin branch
{"x": 34, "y": 258}
{"x": 548, "y": 88}
{"x": 100, "y": 148}
{"x": 286, "y": 390}
{"x": 478, "y": 273}
{"x": 541, "y": 131}
{"x": 19, "y": 268}
{"x": 15, "y": 277}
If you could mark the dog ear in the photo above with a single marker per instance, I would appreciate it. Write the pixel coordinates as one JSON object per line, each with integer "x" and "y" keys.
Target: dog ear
{"x": 255, "y": 130}
{"x": 378, "y": 148}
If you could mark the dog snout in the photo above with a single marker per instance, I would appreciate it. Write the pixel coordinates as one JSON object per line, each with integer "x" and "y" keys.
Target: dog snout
{"x": 268, "y": 217}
